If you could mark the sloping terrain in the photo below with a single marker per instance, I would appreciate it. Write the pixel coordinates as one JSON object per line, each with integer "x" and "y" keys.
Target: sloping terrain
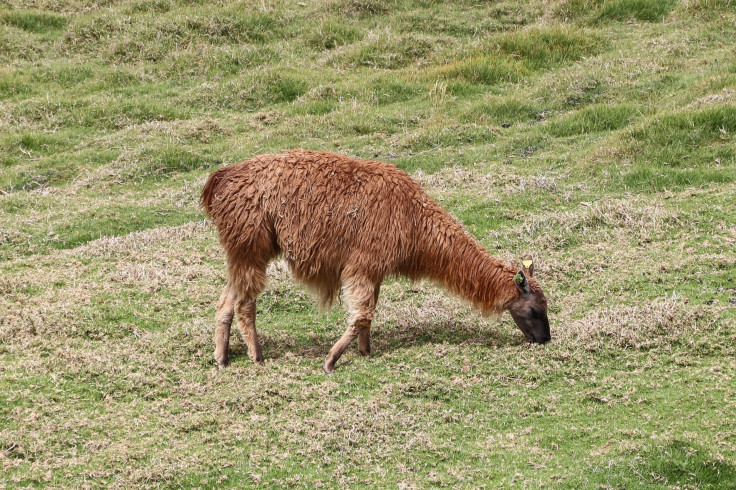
{"x": 599, "y": 136}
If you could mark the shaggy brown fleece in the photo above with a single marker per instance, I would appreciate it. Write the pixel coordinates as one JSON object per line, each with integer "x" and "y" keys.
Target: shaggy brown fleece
{"x": 342, "y": 223}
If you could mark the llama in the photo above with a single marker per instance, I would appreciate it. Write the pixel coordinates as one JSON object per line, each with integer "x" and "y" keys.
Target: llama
{"x": 344, "y": 223}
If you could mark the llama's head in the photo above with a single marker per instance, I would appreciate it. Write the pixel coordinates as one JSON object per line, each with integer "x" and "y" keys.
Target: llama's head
{"x": 529, "y": 311}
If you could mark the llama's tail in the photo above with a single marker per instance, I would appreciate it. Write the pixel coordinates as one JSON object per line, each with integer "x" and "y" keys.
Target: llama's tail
{"x": 214, "y": 183}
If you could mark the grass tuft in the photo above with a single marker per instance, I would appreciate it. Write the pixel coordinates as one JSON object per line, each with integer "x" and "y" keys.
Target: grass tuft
{"x": 642, "y": 10}
{"x": 37, "y": 22}
{"x": 392, "y": 91}
{"x": 386, "y": 50}
{"x": 331, "y": 34}
{"x": 237, "y": 27}
{"x": 701, "y": 6}
{"x": 592, "y": 119}
{"x": 514, "y": 55}
{"x": 486, "y": 70}
{"x": 503, "y": 111}
{"x": 595, "y": 11}
{"x": 540, "y": 48}
{"x": 144, "y": 6}
{"x": 362, "y": 7}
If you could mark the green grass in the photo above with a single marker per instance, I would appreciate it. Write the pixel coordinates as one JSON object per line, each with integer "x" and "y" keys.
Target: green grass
{"x": 34, "y": 21}
{"x": 643, "y": 10}
{"x": 597, "y": 135}
{"x": 592, "y": 119}
{"x": 331, "y": 34}
{"x": 597, "y": 11}
{"x": 512, "y": 56}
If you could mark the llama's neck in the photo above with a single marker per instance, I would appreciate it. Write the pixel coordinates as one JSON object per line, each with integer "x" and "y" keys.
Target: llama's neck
{"x": 450, "y": 256}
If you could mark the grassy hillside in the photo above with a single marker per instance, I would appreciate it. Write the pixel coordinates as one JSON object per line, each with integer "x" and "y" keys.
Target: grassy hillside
{"x": 598, "y": 135}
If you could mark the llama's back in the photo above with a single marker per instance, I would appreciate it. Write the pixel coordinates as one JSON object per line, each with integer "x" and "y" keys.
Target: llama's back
{"x": 331, "y": 216}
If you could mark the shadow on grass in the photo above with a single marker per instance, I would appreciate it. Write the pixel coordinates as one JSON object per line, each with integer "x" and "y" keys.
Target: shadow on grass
{"x": 385, "y": 338}
{"x": 678, "y": 464}
{"x": 691, "y": 465}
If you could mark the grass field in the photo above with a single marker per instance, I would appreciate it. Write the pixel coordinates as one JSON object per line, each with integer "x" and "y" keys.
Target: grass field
{"x": 599, "y": 136}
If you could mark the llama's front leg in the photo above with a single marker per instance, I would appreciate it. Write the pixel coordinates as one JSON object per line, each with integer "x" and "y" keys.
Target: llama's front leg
{"x": 342, "y": 344}
{"x": 223, "y": 321}
{"x": 246, "y": 309}
{"x": 364, "y": 341}
{"x": 364, "y": 335}
{"x": 361, "y": 304}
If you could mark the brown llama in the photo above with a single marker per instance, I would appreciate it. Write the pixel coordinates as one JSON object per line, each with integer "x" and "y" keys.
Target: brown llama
{"x": 343, "y": 223}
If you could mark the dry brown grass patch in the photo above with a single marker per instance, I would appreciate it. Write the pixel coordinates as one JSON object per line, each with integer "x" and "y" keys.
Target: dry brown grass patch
{"x": 724, "y": 96}
{"x": 663, "y": 321}
{"x": 456, "y": 178}
{"x": 620, "y": 219}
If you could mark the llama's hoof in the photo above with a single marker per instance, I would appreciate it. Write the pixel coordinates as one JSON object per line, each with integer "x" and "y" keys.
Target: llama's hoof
{"x": 221, "y": 359}
{"x": 365, "y": 352}
{"x": 328, "y": 369}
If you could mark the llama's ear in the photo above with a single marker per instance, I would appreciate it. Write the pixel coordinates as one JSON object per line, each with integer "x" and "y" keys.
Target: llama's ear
{"x": 528, "y": 265}
{"x": 521, "y": 282}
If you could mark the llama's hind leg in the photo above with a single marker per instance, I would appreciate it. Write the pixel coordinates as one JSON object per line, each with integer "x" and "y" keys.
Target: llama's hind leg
{"x": 360, "y": 296}
{"x": 364, "y": 341}
{"x": 223, "y": 321}
{"x": 364, "y": 335}
{"x": 246, "y": 309}
{"x": 250, "y": 280}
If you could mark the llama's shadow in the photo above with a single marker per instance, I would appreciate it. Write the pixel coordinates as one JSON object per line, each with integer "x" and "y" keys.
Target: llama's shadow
{"x": 385, "y": 338}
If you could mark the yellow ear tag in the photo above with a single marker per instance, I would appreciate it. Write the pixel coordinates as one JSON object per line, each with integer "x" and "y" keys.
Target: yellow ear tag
{"x": 527, "y": 263}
